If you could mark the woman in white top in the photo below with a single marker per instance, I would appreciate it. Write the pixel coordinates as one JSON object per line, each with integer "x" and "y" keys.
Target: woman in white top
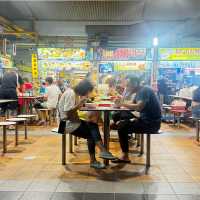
{"x": 69, "y": 104}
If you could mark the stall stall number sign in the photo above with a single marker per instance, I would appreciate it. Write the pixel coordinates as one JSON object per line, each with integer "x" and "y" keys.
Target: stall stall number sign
{"x": 34, "y": 66}
{"x": 179, "y": 53}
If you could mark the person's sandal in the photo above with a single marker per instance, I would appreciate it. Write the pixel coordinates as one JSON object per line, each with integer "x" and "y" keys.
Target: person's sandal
{"x": 107, "y": 155}
{"x": 97, "y": 165}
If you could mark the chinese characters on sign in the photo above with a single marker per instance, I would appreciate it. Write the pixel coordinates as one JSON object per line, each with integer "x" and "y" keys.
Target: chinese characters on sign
{"x": 34, "y": 66}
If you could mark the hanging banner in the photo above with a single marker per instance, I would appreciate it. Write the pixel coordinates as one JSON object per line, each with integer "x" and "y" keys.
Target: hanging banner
{"x": 34, "y": 66}
{"x": 121, "y": 54}
{"x": 179, "y": 54}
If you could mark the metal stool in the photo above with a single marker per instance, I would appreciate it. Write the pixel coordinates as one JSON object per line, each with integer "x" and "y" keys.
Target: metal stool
{"x": 5, "y": 124}
{"x": 27, "y": 116}
{"x": 18, "y": 120}
{"x": 148, "y": 147}
{"x": 197, "y": 125}
{"x": 55, "y": 130}
{"x": 47, "y": 112}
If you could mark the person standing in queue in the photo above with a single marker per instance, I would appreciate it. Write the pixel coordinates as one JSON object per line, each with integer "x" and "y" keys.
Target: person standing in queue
{"x": 147, "y": 104}
{"x": 70, "y": 102}
{"x": 10, "y": 85}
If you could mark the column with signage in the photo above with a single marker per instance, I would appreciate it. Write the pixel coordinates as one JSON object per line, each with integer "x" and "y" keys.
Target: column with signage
{"x": 35, "y": 72}
{"x": 154, "y": 70}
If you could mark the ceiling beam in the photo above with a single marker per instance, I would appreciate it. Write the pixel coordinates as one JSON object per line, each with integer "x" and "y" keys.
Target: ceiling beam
{"x": 15, "y": 30}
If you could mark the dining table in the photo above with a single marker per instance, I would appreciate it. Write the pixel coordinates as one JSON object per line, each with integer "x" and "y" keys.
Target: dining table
{"x": 27, "y": 103}
{"x": 106, "y": 109}
{"x": 7, "y": 100}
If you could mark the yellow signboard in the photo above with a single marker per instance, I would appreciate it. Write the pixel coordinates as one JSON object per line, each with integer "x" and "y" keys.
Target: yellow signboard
{"x": 34, "y": 66}
{"x": 179, "y": 53}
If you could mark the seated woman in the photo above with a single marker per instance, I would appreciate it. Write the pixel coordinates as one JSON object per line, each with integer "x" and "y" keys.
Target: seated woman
{"x": 71, "y": 101}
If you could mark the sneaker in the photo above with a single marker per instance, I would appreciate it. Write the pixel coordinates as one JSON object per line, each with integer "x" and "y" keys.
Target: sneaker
{"x": 107, "y": 155}
{"x": 42, "y": 122}
{"x": 97, "y": 165}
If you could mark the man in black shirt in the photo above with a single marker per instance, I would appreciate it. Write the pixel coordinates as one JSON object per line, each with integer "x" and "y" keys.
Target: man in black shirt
{"x": 9, "y": 87}
{"x": 145, "y": 102}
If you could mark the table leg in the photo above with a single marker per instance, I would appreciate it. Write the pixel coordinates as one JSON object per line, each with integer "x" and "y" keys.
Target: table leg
{"x": 148, "y": 153}
{"x": 64, "y": 149}
{"x": 197, "y": 130}
{"x": 70, "y": 143}
{"x": 106, "y": 133}
{"x": 16, "y": 134}
{"x": 25, "y": 130}
{"x": 31, "y": 107}
{"x": 142, "y": 145}
{"x": 75, "y": 140}
{"x": 4, "y": 140}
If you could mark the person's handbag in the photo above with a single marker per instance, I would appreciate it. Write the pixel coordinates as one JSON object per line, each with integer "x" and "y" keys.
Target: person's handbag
{"x": 62, "y": 127}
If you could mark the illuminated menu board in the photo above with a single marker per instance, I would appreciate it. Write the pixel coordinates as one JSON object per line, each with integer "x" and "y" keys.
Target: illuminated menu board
{"x": 179, "y": 54}
{"x": 121, "y": 54}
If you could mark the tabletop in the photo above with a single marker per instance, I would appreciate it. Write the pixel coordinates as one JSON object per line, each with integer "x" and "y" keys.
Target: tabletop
{"x": 7, "y": 100}
{"x": 181, "y": 97}
{"x": 101, "y": 108}
{"x": 30, "y": 97}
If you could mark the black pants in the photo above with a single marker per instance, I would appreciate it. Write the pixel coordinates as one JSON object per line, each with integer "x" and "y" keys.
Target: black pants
{"x": 89, "y": 131}
{"x": 137, "y": 126}
{"x": 9, "y": 94}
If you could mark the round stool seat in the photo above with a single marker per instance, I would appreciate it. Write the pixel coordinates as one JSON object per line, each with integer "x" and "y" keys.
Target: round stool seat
{"x": 7, "y": 123}
{"x": 16, "y": 119}
{"x": 26, "y": 116}
{"x": 44, "y": 109}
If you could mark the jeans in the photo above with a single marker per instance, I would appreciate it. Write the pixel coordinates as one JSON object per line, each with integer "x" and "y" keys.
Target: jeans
{"x": 89, "y": 131}
{"x": 137, "y": 126}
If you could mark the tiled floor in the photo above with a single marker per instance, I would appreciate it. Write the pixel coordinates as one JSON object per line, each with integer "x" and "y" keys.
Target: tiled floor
{"x": 33, "y": 170}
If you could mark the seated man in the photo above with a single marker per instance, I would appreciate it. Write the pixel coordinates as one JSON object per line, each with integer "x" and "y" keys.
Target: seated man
{"x": 52, "y": 96}
{"x": 148, "y": 105}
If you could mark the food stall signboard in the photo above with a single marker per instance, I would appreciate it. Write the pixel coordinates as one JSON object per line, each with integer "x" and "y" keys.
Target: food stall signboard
{"x": 122, "y": 66}
{"x": 34, "y": 66}
{"x": 121, "y": 54}
{"x": 71, "y": 54}
{"x": 179, "y": 54}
